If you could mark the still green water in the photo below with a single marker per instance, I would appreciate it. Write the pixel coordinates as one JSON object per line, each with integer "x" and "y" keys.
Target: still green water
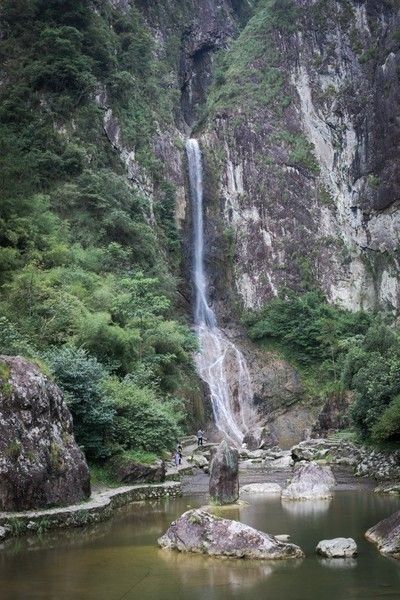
{"x": 119, "y": 559}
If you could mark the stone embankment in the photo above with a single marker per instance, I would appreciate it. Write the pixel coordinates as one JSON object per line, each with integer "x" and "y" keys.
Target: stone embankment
{"x": 381, "y": 466}
{"x": 99, "y": 507}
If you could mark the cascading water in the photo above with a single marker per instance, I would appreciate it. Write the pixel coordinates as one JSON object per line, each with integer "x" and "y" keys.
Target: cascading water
{"x": 219, "y": 363}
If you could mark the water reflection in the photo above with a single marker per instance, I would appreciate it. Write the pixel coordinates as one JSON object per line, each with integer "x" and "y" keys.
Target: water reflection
{"x": 338, "y": 563}
{"x": 210, "y": 572}
{"x": 120, "y": 558}
{"x": 306, "y": 508}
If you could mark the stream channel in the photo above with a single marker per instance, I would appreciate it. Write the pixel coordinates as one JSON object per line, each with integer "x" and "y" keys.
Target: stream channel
{"x": 119, "y": 559}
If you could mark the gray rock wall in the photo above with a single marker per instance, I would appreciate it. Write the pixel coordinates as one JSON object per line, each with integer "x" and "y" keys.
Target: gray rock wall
{"x": 40, "y": 462}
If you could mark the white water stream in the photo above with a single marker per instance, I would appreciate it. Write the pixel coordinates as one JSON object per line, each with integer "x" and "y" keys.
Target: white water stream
{"x": 219, "y": 363}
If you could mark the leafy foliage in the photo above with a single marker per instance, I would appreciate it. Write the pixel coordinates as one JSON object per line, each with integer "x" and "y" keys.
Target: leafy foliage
{"x": 354, "y": 351}
{"x": 85, "y": 271}
{"x": 81, "y": 377}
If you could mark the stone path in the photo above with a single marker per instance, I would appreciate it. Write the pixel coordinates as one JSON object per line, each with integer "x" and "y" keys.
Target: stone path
{"x": 99, "y": 507}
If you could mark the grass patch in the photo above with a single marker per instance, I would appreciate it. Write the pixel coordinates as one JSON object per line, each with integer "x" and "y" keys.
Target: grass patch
{"x": 101, "y": 476}
{"x": 140, "y": 456}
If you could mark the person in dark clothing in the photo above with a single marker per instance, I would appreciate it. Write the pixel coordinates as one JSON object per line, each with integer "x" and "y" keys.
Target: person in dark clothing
{"x": 200, "y": 434}
{"x": 179, "y": 451}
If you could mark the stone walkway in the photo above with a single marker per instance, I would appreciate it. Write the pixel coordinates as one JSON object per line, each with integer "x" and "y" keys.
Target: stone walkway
{"x": 99, "y": 507}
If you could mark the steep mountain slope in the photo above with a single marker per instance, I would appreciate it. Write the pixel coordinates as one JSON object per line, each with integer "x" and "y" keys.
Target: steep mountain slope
{"x": 296, "y": 106}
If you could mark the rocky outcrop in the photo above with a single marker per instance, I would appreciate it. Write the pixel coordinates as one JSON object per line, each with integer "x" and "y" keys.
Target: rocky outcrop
{"x": 224, "y": 474}
{"x": 310, "y": 481}
{"x": 40, "y": 462}
{"x": 383, "y": 466}
{"x": 386, "y": 535}
{"x": 200, "y": 532}
{"x": 337, "y": 548}
{"x": 261, "y": 489}
{"x": 130, "y": 471}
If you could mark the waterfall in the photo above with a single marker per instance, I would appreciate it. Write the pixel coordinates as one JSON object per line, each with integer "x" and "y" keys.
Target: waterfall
{"x": 219, "y": 363}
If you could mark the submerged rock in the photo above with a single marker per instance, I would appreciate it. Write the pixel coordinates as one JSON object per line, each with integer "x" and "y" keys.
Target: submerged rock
{"x": 40, "y": 463}
{"x": 337, "y": 548}
{"x": 386, "y": 535}
{"x": 224, "y": 474}
{"x": 264, "y": 489}
{"x": 310, "y": 481}
{"x": 201, "y": 532}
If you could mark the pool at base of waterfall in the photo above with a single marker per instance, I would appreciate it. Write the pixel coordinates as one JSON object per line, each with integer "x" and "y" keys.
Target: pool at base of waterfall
{"x": 120, "y": 560}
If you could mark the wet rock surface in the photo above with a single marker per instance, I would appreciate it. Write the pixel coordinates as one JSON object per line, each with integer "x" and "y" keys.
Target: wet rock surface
{"x": 224, "y": 474}
{"x": 386, "y": 535}
{"x": 337, "y": 548}
{"x": 310, "y": 481}
{"x": 40, "y": 463}
{"x": 201, "y": 532}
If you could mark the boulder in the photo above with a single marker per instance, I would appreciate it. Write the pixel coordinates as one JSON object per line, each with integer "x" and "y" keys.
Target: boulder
{"x": 310, "y": 481}
{"x": 199, "y": 460}
{"x": 251, "y": 441}
{"x": 386, "y": 535}
{"x": 337, "y": 548}
{"x": 40, "y": 463}
{"x": 130, "y": 471}
{"x": 264, "y": 489}
{"x": 283, "y": 462}
{"x": 199, "y": 531}
{"x": 3, "y": 533}
{"x": 224, "y": 474}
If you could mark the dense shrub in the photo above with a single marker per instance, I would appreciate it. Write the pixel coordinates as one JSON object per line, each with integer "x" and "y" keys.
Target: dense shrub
{"x": 142, "y": 420}
{"x": 82, "y": 377}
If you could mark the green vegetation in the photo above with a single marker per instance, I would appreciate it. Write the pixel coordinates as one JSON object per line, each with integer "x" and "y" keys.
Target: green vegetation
{"x": 86, "y": 284}
{"x": 301, "y": 151}
{"x": 338, "y": 350}
{"x": 250, "y": 73}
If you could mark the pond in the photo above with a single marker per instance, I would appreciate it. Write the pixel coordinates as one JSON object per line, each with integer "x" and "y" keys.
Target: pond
{"x": 119, "y": 559}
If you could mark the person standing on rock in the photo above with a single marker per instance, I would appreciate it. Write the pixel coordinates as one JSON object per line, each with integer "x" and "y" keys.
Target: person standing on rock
{"x": 179, "y": 451}
{"x": 178, "y": 459}
{"x": 200, "y": 434}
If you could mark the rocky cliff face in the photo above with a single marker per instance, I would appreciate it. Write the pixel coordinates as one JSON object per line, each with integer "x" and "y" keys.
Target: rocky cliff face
{"x": 296, "y": 104}
{"x": 302, "y": 140}
{"x": 40, "y": 462}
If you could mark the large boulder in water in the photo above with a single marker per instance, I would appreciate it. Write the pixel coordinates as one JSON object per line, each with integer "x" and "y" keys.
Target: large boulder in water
{"x": 40, "y": 463}
{"x": 337, "y": 548}
{"x": 386, "y": 535}
{"x": 224, "y": 474}
{"x": 310, "y": 481}
{"x": 198, "y": 531}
